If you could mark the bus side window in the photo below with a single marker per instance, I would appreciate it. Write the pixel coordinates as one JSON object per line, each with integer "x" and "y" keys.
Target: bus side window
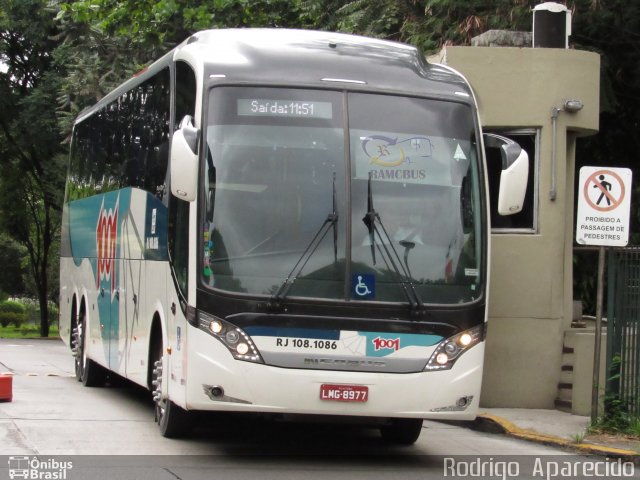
{"x": 185, "y": 104}
{"x": 185, "y": 93}
{"x": 154, "y": 130}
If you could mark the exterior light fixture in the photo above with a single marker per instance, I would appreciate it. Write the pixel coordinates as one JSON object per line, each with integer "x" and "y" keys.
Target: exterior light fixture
{"x": 572, "y": 106}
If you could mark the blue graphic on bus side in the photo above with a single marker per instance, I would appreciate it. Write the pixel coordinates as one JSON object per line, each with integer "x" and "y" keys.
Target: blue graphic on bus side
{"x": 99, "y": 230}
{"x": 155, "y": 230}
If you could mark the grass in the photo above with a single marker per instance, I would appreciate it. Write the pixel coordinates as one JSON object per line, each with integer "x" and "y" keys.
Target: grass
{"x": 26, "y": 331}
{"x": 578, "y": 438}
{"x": 617, "y": 425}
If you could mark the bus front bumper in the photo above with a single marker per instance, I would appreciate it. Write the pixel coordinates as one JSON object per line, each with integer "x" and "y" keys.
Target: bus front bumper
{"x": 218, "y": 382}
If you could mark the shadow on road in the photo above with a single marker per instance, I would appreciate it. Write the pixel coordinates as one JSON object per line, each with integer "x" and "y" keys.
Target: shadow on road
{"x": 256, "y": 435}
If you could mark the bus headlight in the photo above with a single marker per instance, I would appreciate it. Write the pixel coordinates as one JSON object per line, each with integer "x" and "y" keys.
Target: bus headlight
{"x": 450, "y": 349}
{"x": 215, "y": 327}
{"x": 234, "y": 338}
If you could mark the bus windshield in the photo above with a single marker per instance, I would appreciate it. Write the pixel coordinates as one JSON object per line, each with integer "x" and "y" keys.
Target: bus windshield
{"x": 341, "y": 196}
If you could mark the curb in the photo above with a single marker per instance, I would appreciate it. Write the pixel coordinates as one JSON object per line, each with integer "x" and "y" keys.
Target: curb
{"x": 489, "y": 423}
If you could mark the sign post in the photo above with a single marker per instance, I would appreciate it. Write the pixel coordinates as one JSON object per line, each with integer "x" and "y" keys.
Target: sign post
{"x": 604, "y": 199}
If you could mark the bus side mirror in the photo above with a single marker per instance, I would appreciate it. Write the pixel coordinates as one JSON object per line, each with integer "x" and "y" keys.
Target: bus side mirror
{"x": 184, "y": 161}
{"x": 514, "y": 175}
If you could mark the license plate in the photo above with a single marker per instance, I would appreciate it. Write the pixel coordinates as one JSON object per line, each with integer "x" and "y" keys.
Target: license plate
{"x": 344, "y": 393}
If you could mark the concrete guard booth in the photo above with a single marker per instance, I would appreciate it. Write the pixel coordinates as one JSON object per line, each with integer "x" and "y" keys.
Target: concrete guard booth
{"x": 544, "y": 98}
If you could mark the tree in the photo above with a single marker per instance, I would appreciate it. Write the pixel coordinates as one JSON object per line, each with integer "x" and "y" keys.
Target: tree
{"x": 427, "y": 24}
{"x": 74, "y": 52}
{"x": 11, "y": 277}
{"x": 104, "y": 42}
{"x": 612, "y": 29}
{"x": 31, "y": 152}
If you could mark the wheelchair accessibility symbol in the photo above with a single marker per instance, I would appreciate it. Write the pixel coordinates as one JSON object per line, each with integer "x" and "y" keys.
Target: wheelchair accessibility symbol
{"x": 363, "y": 286}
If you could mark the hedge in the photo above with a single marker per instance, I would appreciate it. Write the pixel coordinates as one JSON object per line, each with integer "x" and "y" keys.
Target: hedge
{"x": 12, "y": 313}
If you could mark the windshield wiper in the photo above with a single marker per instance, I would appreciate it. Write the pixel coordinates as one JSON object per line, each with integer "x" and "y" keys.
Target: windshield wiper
{"x": 335, "y": 220}
{"x": 330, "y": 221}
{"x": 372, "y": 220}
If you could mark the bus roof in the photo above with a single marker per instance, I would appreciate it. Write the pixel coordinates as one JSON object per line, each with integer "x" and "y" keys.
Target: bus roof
{"x": 306, "y": 58}
{"x": 315, "y": 58}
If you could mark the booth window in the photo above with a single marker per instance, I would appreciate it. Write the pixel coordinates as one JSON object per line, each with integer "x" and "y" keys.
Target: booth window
{"x": 525, "y": 221}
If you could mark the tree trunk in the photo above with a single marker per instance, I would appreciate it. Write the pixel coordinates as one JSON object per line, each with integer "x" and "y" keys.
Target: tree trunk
{"x": 44, "y": 307}
{"x": 44, "y": 314}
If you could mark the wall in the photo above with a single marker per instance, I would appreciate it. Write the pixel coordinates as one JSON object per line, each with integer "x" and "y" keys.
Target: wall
{"x": 531, "y": 274}
{"x": 582, "y": 341}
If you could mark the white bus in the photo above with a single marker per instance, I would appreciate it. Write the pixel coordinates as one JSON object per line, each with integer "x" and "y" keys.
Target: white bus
{"x": 285, "y": 222}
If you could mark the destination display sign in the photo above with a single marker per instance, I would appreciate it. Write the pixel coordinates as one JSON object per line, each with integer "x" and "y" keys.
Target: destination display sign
{"x": 261, "y": 107}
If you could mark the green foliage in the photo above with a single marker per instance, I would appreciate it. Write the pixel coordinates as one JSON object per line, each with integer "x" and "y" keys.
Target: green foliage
{"x": 578, "y": 438}
{"x": 12, "y": 256}
{"x": 54, "y": 313}
{"x": 9, "y": 318}
{"x": 617, "y": 417}
{"x": 10, "y": 306}
{"x": 585, "y": 281}
{"x": 31, "y": 148}
{"x": 12, "y": 313}
{"x": 107, "y": 41}
{"x": 25, "y": 331}
{"x": 24, "y": 315}
{"x": 612, "y": 29}
{"x": 427, "y": 24}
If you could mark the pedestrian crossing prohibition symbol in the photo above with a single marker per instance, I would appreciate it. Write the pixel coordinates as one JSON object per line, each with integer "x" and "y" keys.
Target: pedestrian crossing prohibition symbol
{"x": 603, "y": 206}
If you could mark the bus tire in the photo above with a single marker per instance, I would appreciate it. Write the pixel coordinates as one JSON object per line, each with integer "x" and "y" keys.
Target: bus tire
{"x": 77, "y": 349}
{"x": 87, "y": 371}
{"x": 94, "y": 375}
{"x": 173, "y": 421}
{"x": 402, "y": 431}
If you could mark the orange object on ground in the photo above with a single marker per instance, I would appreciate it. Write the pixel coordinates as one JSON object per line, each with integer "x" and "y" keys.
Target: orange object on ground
{"x": 6, "y": 386}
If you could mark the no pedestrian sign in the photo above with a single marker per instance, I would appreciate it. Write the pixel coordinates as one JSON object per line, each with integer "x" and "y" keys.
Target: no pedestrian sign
{"x": 604, "y": 198}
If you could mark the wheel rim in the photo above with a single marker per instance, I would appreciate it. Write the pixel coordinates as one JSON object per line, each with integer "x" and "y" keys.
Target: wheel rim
{"x": 161, "y": 403}
{"x": 78, "y": 348}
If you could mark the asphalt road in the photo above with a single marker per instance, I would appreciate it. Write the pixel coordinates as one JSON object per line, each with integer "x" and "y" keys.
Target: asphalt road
{"x": 110, "y": 433}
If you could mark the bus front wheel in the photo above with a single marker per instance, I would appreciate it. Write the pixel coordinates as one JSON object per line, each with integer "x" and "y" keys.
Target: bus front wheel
{"x": 402, "y": 431}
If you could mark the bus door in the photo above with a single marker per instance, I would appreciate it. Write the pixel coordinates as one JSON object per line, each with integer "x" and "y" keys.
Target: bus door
{"x": 130, "y": 340}
{"x": 131, "y": 334}
{"x": 107, "y": 305}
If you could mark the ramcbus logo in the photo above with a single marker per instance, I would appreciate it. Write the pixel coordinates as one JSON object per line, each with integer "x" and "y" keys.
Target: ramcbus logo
{"x": 387, "y": 343}
{"x": 106, "y": 238}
